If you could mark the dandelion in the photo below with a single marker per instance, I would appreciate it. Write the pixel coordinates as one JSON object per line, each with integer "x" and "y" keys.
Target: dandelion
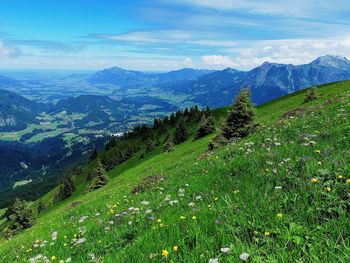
{"x": 53, "y": 258}
{"x": 244, "y": 256}
{"x": 165, "y": 253}
{"x": 328, "y": 189}
{"x": 225, "y": 250}
{"x": 175, "y": 248}
{"x": 279, "y": 215}
{"x": 314, "y": 180}
{"x": 340, "y": 177}
{"x": 348, "y": 182}
{"x": 194, "y": 217}
{"x": 267, "y": 233}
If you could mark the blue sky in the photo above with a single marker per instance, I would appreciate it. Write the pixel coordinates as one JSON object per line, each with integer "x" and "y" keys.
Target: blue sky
{"x": 169, "y": 34}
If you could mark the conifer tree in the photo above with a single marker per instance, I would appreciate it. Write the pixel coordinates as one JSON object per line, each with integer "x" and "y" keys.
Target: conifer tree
{"x": 129, "y": 152}
{"x": 100, "y": 179}
{"x": 149, "y": 146}
{"x": 93, "y": 155}
{"x": 311, "y": 95}
{"x": 41, "y": 206}
{"x": 21, "y": 218}
{"x": 181, "y": 134}
{"x": 168, "y": 146}
{"x": 206, "y": 126}
{"x": 66, "y": 189}
{"x": 239, "y": 122}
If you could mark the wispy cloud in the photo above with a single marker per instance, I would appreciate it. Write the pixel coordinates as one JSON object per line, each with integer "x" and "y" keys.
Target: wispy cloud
{"x": 8, "y": 51}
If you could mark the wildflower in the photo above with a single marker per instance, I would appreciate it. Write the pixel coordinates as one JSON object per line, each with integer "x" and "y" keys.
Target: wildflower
{"x": 214, "y": 260}
{"x": 175, "y": 248}
{"x": 317, "y": 151}
{"x": 54, "y": 235}
{"x": 194, "y": 217}
{"x": 149, "y": 211}
{"x": 328, "y": 189}
{"x": 348, "y": 182}
{"x": 165, "y": 253}
{"x": 145, "y": 203}
{"x": 82, "y": 219}
{"x": 244, "y": 256}
{"x": 236, "y": 191}
{"x": 225, "y": 250}
{"x": 314, "y": 180}
{"x": 65, "y": 244}
{"x": 173, "y": 202}
{"x": 161, "y": 225}
{"x": 216, "y": 198}
{"x": 319, "y": 163}
{"x": 81, "y": 240}
{"x": 191, "y": 204}
{"x": 182, "y": 217}
{"x": 279, "y": 215}
{"x": 159, "y": 220}
{"x": 198, "y": 197}
{"x": 340, "y": 177}
{"x": 53, "y": 258}
{"x": 267, "y": 233}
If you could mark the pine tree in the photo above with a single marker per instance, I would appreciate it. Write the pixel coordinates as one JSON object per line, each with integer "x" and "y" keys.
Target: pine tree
{"x": 93, "y": 155}
{"x": 149, "y": 146}
{"x": 41, "y": 206}
{"x": 181, "y": 134}
{"x": 21, "y": 218}
{"x": 239, "y": 122}
{"x": 168, "y": 146}
{"x": 66, "y": 189}
{"x": 206, "y": 127}
{"x": 129, "y": 152}
{"x": 311, "y": 95}
{"x": 100, "y": 179}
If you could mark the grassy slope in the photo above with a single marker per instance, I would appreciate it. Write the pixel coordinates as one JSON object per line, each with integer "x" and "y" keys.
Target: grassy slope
{"x": 239, "y": 199}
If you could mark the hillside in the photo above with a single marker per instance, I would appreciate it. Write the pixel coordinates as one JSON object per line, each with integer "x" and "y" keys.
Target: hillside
{"x": 281, "y": 193}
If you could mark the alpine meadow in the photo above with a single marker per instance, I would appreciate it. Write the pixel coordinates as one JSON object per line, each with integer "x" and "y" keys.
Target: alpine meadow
{"x": 183, "y": 131}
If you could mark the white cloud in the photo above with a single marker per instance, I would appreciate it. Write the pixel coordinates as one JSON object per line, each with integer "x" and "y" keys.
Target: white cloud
{"x": 217, "y": 60}
{"x": 6, "y": 51}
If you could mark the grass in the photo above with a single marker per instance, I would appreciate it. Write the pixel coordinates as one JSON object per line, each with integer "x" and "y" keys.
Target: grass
{"x": 279, "y": 195}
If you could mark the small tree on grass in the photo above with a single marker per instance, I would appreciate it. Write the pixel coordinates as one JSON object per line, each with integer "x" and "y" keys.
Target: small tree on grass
{"x": 66, "y": 189}
{"x": 206, "y": 126}
{"x": 181, "y": 134}
{"x": 311, "y": 95}
{"x": 168, "y": 146}
{"x": 93, "y": 156}
{"x": 100, "y": 178}
{"x": 21, "y": 218}
{"x": 149, "y": 146}
{"x": 239, "y": 122}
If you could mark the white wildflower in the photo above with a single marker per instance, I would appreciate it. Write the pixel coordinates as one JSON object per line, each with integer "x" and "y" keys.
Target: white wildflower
{"x": 82, "y": 219}
{"x": 225, "y": 250}
{"x": 244, "y": 256}
{"x": 214, "y": 260}
{"x": 145, "y": 203}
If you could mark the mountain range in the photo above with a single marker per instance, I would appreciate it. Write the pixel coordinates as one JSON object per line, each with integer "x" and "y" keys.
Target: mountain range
{"x": 217, "y": 88}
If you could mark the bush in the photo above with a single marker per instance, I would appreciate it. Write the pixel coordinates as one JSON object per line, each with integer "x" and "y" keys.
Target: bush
{"x": 311, "y": 95}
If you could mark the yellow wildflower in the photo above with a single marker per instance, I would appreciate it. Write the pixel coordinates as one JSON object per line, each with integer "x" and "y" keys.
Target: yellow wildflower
{"x": 267, "y": 233}
{"x": 216, "y": 198}
{"x": 319, "y": 162}
{"x": 53, "y": 258}
{"x": 194, "y": 217}
{"x": 314, "y": 180}
{"x": 161, "y": 225}
{"x": 317, "y": 151}
{"x": 340, "y": 177}
{"x": 279, "y": 215}
{"x": 165, "y": 253}
{"x": 182, "y": 217}
{"x": 328, "y": 189}
{"x": 348, "y": 182}
{"x": 159, "y": 220}
{"x": 175, "y": 248}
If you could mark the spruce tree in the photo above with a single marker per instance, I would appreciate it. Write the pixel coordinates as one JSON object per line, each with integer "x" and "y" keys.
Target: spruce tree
{"x": 311, "y": 95}
{"x": 66, "y": 189}
{"x": 129, "y": 152}
{"x": 168, "y": 146}
{"x": 100, "y": 179}
{"x": 181, "y": 134}
{"x": 21, "y": 218}
{"x": 93, "y": 155}
{"x": 206, "y": 126}
{"x": 239, "y": 122}
{"x": 149, "y": 146}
